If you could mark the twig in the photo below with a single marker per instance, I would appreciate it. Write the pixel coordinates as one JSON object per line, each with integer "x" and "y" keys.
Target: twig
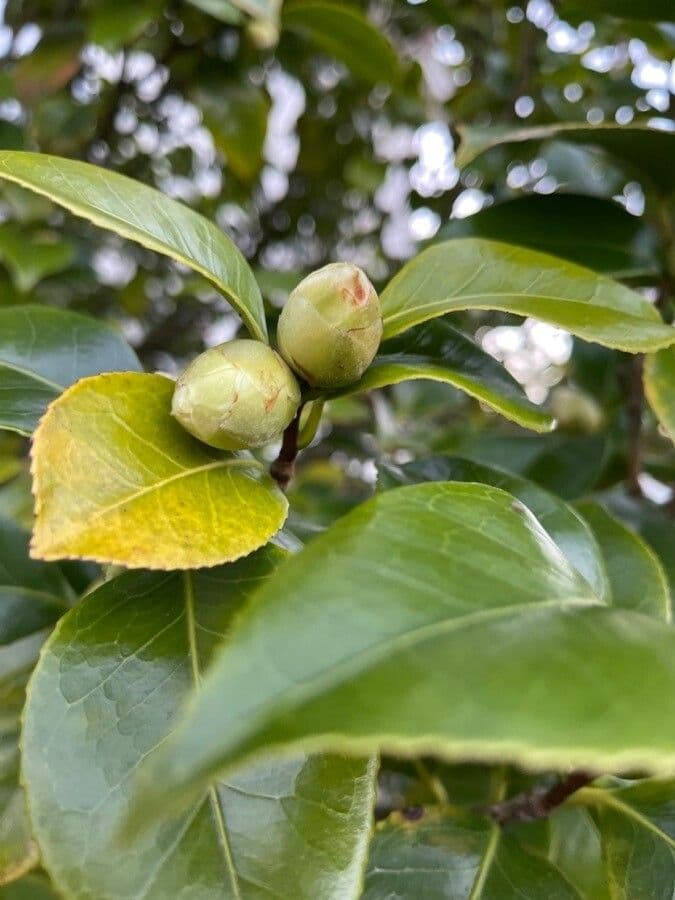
{"x": 538, "y": 803}
{"x": 283, "y": 467}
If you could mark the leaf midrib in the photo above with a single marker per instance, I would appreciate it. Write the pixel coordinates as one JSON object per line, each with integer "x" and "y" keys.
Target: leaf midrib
{"x": 463, "y": 298}
{"x": 128, "y": 230}
{"x": 214, "y": 799}
{"x": 28, "y": 373}
{"x": 597, "y": 796}
{"x": 185, "y": 473}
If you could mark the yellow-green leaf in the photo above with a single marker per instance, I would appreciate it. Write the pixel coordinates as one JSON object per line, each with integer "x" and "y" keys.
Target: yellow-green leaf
{"x": 659, "y": 377}
{"x": 145, "y": 215}
{"x": 471, "y": 273}
{"x": 117, "y": 480}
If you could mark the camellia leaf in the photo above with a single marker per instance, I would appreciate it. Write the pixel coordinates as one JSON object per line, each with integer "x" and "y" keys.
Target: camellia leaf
{"x": 117, "y": 480}
{"x": 438, "y": 352}
{"x": 637, "y": 834}
{"x": 344, "y": 32}
{"x": 43, "y": 351}
{"x": 237, "y": 118}
{"x": 570, "y": 532}
{"x": 637, "y": 578}
{"x": 648, "y": 150}
{"x": 458, "y": 857}
{"x": 107, "y": 688}
{"x": 144, "y": 215}
{"x": 33, "y": 596}
{"x": 32, "y": 887}
{"x": 470, "y": 273}
{"x": 659, "y": 378}
{"x": 30, "y": 258}
{"x": 434, "y": 619}
{"x": 590, "y": 231}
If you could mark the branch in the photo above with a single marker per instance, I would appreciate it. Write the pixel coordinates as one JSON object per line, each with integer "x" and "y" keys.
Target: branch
{"x": 283, "y": 467}
{"x": 538, "y": 803}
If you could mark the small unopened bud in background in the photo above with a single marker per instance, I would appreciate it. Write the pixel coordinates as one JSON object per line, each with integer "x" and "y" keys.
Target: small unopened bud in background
{"x": 331, "y": 326}
{"x": 237, "y": 395}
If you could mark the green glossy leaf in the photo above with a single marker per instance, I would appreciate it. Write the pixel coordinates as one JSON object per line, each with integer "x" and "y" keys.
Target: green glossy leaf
{"x": 33, "y": 596}
{"x": 648, "y": 150}
{"x": 575, "y": 847}
{"x": 344, "y": 32}
{"x": 237, "y": 118}
{"x": 144, "y": 215}
{"x": 446, "y": 857}
{"x": 32, "y": 887}
{"x": 43, "y": 351}
{"x": 659, "y": 378}
{"x": 438, "y": 352}
{"x": 30, "y": 258}
{"x": 636, "y": 823}
{"x": 439, "y": 619}
{"x": 470, "y": 273}
{"x": 117, "y": 480}
{"x": 567, "y": 465}
{"x": 653, "y": 523}
{"x": 570, "y": 532}
{"x": 108, "y": 687}
{"x": 590, "y": 231}
{"x": 637, "y": 578}
{"x": 115, "y": 23}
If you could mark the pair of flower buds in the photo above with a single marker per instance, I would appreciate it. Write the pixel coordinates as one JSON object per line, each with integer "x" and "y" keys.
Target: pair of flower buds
{"x": 243, "y": 393}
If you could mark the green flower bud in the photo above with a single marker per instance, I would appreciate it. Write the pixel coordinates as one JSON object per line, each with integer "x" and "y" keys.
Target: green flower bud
{"x": 240, "y": 394}
{"x": 331, "y": 326}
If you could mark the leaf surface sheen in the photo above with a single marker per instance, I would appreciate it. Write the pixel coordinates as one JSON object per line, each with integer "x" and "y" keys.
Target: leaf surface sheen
{"x": 117, "y": 480}
{"x": 43, "y": 351}
{"x": 109, "y": 685}
{"x": 472, "y": 273}
{"x": 145, "y": 215}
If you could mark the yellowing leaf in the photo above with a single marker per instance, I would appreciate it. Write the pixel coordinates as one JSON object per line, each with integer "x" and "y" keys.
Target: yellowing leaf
{"x": 117, "y": 480}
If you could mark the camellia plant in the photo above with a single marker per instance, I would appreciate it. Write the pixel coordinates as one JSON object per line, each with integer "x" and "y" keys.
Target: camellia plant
{"x": 222, "y": 710}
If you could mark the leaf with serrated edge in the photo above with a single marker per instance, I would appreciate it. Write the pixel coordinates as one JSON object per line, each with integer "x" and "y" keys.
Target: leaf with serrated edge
{"x": 145, "y": 215}
{"x": 438, "y": 352}
{"x": 33, "y": 596}
{"x": 659, "y": 378}
{"x": 108, "y": 687}
{"x": 438, "y": 618}
{"x": 471, "y": 273}
{"x": 117, "y": 480}
{"x": 570, "y": 532}
{"x": 637, "y": 578}
{"x": 43, "y": 351}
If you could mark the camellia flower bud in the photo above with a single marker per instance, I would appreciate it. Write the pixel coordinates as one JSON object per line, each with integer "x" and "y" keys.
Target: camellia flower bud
{"x": 240, "y": 394}
{"x": 331, "y": 326}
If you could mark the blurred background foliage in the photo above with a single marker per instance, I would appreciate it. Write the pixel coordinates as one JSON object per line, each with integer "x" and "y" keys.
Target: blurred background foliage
{"x": 315, "y": 130}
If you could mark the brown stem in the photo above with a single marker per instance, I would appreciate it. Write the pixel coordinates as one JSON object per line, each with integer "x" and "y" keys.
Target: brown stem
{"x": 538, "y": 803}
{"x": 283, "y": 467}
